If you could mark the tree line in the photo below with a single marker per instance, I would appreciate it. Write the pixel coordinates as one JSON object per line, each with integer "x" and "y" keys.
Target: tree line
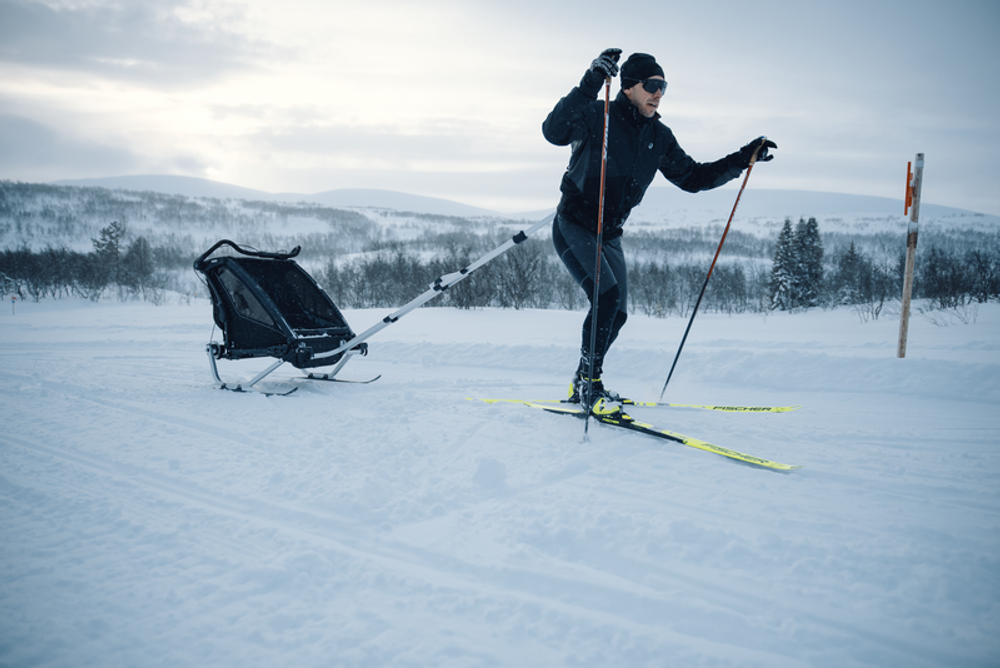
{"x": 801, "y": 278}
{"x": 799, "y": 275}
{"x": 127, "y": 269}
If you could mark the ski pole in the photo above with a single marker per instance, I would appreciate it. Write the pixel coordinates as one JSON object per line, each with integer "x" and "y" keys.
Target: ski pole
{"x": 597, "y": 268}
{"x": 753, "y": 159}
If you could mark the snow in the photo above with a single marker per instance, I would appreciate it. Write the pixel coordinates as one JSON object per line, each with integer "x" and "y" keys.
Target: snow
{"x": 151, "y": 520}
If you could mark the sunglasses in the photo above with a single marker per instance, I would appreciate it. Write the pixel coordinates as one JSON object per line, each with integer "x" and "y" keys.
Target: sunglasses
{"x": 652, "y": 85}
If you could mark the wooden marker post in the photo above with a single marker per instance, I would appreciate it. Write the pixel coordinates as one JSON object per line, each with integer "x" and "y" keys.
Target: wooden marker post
{"x": 914, "y": 181}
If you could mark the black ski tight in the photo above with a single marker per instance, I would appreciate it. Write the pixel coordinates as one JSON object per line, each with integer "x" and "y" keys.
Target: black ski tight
{"x": 577, "y": 248}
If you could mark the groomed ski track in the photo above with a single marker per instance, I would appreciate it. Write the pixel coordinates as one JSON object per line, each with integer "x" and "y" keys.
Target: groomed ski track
{"x": 150, "y": 519}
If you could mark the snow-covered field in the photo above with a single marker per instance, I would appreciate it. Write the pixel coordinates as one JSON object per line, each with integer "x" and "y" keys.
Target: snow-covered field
{"x": 151, "y": 520}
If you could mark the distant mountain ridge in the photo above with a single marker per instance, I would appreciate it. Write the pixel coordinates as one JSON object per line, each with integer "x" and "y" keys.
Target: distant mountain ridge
{"x": 660, "y": 201}
{"x": 189, "y": 186}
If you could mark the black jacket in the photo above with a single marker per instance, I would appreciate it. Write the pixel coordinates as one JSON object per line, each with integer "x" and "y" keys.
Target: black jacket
{"x": 638, "y": 147}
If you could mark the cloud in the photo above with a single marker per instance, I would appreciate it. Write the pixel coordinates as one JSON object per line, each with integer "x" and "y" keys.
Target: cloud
{"x": 463, "y": 160}
{"x": 28, "y": 146}
{"x": 151, "y": 42}
{"x": 448, "y": 141}
{"x": 30, "y": 150}
{"x": 437, "y": 98}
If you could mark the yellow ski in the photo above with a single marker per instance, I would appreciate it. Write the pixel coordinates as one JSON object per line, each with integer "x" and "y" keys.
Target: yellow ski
{"x": 654, "y": 404}
{"x": 626, "y": 421}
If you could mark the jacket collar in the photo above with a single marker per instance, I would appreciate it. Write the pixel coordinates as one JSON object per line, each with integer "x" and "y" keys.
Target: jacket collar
{"x": 631, "y": 112}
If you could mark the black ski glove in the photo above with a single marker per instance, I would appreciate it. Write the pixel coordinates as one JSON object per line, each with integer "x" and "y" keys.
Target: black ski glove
{"x": 746, "y": 153}
{"x": 605, "y": 66}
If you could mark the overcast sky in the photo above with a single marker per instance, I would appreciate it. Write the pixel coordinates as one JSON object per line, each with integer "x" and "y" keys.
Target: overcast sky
{"x": 446, "y": 98}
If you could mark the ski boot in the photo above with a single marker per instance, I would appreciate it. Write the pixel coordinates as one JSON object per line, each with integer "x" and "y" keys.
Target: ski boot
{"x": 602, "y": 401}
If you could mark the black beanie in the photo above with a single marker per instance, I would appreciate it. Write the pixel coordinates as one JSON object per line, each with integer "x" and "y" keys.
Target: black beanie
{"x": 639, "y": 66}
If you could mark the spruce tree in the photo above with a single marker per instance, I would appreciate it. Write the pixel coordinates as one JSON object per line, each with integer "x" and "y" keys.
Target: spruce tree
{"x": 783, "y": 270}
{"x": 808, "y": 274}
{"x": 850, "y": 277}
{"x": 108, "y": 252}
{"x": 109, "y": 244}
{"x": 137, "y": 265}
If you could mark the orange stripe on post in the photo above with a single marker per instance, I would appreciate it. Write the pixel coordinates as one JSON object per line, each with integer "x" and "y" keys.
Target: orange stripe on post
{"x": 908, "y": 200}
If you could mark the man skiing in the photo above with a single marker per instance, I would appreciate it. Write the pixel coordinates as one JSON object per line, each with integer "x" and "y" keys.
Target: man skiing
{"x": 638, "y": 145}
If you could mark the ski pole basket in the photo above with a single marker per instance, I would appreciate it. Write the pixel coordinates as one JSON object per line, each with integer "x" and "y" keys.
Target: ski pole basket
{"x": 268, "y": 306}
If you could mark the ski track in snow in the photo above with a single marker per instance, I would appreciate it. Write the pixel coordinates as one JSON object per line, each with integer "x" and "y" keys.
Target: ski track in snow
{"x": 151, "y": 520}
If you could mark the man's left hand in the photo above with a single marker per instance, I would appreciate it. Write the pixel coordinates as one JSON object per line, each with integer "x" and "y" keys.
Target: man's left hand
{"x": 761, "y": 143}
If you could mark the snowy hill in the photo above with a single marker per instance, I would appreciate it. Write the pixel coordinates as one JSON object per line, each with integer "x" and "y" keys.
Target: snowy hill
{"x": 762, "y": 212}
{"x": 151, "y": 520}
{"x": 346, "y": 198}
{"x": 792, "y": 203}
